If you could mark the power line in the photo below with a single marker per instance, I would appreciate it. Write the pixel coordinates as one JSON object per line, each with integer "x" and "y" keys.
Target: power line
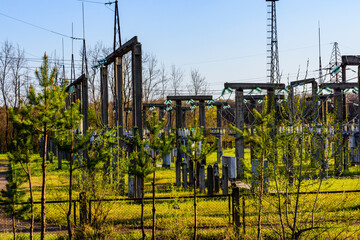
{"x": 39, "y": 27}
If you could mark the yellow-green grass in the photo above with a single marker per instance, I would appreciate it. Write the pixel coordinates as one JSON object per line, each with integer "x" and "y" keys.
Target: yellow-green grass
{"x": 212, "y": 213}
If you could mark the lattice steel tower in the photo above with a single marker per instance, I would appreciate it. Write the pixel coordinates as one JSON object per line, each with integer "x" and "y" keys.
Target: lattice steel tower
{"x": 335, "y": 60}
{"x": 272, "y": 46}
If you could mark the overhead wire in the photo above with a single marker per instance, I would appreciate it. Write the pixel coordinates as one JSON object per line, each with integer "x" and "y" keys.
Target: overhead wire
{"x": 39, "y": 27}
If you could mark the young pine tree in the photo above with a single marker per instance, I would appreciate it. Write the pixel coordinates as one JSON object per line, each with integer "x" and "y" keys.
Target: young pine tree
{"x": 23, "y": 149}
{"x": 71, "y": 141}
{"x": 196, "y": 153}
{"x": 142, "y": 167}
{"x": 47, "y": 106}
{"x": 263, "y": 141}
{"x": 160, "y": 145}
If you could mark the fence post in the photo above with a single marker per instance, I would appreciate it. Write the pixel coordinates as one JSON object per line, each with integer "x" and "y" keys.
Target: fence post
{"x": 184, "y": 172}
{"x": 225, "y": 179}
{"x": 191, "y": 173}
{"x": 236, "y": 207}
{"x": 202, "y": 178}
{"x": 89, "y": 210}
{"x": 230, "y": 208}
{"x": 178, "y": 171}
{"x": 243, "y": 213}
{"x": 83, "y": 208}
{"x": 210, "y": 182}
{"x": 216, "y": 178}
{"x": 75, "y": 212}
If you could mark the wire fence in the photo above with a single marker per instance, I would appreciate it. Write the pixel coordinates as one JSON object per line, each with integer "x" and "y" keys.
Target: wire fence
{"x": 326, "y": 214}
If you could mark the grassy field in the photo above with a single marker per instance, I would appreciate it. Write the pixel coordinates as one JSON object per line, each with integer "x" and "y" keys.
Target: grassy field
{"x": 333, "y": 213}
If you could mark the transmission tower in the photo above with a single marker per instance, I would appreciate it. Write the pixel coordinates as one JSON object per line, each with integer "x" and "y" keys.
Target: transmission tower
{"x": 273, "y": 52}
{"x": 335, "y": 60}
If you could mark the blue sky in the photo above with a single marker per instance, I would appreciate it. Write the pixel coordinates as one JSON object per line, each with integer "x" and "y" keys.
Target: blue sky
{"x": 225, "y": 40}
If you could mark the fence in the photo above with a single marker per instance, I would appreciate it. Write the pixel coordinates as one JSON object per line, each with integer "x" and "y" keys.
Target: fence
{"x": 174, "y": 215}
{"x": 330, "y": 215}
{"x": 327, "y": 214}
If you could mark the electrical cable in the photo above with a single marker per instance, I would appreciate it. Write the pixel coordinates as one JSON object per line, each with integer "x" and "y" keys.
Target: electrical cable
{"x": 39, "y": 27}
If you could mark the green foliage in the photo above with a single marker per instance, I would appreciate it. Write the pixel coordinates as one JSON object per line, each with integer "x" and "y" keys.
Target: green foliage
{"x": 11, "y": 194}
{"x": 143, "y": 162}
{"x": 49, "y": 103}
{"x": 95, "y": 169}
{"x": 105, "y": 232}
{"x": 159, "y": 142}
{"x": 67, "y": 136}
{"x": 192, "y": 148}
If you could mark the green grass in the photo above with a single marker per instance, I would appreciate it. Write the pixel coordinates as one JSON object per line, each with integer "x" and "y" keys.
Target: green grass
{"x": 213, "y": 214}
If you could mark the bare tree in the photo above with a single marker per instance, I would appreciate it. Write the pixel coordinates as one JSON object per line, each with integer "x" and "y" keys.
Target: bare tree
{"x": 176, "y": 78}
{"x": 164, "y": 80}
{"x": 17, "y": 66}
{"x": 198, "y": 83}
{"x": 94, "y": 55}
{"x": 127, "y": 85}
{"x": 6, "y": 60}
{"x": 151, "y": 75}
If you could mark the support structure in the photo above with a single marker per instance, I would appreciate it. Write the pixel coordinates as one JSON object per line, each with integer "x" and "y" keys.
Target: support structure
{"x": 273, "y": 52}
{"x": 341, "y": 115}
{"x": 179, "y": 123}
{"x": 314, "y": 89}
{"x": 239, "y": 113}
{"x": 115, "y": 57}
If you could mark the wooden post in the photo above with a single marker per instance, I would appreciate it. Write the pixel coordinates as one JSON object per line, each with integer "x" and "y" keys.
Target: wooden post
{"x": 178, "y": 148}
{"x": 202, "y": 121}
{"x": 85, "y": 104}
{"x": 131, "y": 189}
{"x": 83, "y": 208}
{"x": 75, "y": 212}
{"x": 225, "y": 179}
{"x": 252, "y": 146}
{"x": 184, "y": 172}
{"x": 239, "y": 143}
{"x": 178, "y": 172}
{"x": 236, "y": 206}
{"x": 119, "y": 92}
{"x": 243, "y": 214}
{"x": 198, "y": 165}
{"x": 191, "y": 173}
{"x": 219, "y": 126}
{"x": 202, "y": 178}
{"x": 216, "y": 178}
{"x": 339, "y": 130}
{"x": 137, "y": 88}
{"x": 210, "y": 180}
{"x": 104, "y": 96}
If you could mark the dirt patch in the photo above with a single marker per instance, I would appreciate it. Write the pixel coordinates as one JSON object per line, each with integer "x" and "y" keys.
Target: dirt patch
{"x": 4, "y": 166}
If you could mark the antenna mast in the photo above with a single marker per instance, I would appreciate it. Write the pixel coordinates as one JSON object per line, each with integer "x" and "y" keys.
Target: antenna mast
{"x": 320, "y": 66}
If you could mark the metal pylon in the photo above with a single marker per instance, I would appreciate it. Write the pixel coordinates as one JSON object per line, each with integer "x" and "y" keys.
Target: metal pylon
{"x": 335, "y": 60}
{"x": 272, "y": 45}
